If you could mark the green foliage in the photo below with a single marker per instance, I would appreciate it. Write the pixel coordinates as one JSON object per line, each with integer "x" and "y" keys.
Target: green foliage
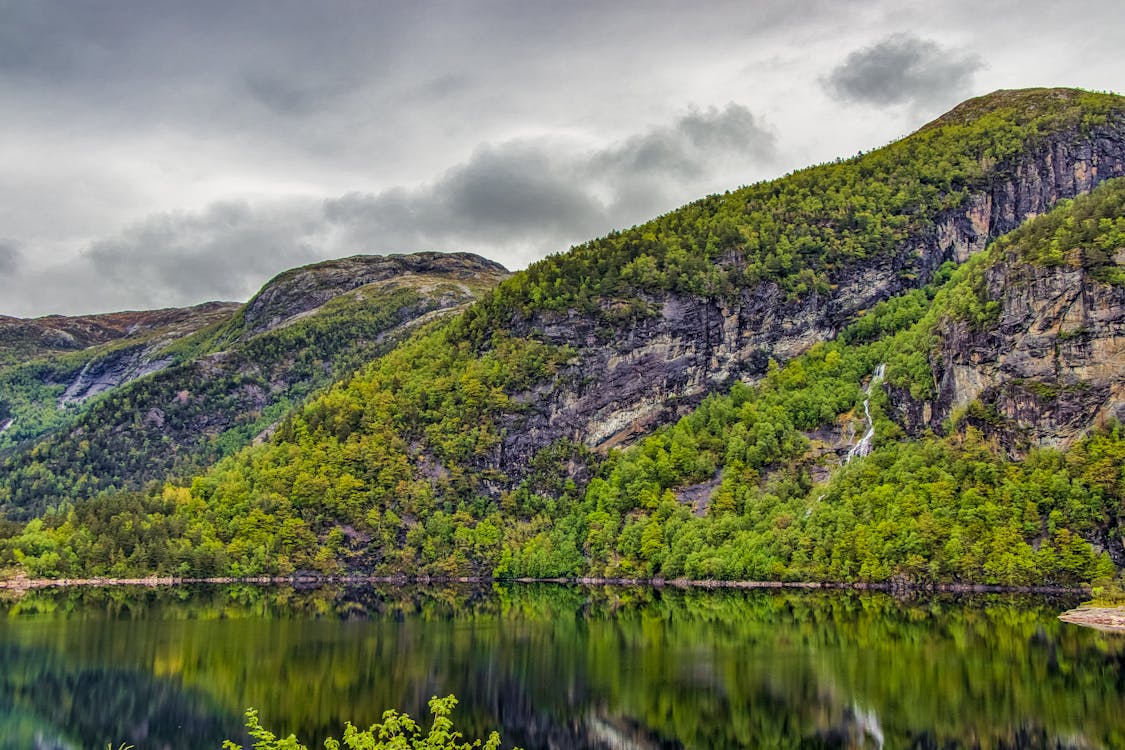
{"x": 31, "y": 393}
{"x": 1087, "y": 232}
{"x": 396, "y": 732}
{"x": 726, "y": 492}
{"x": 189, "y": 415}
{"x": 799, "y": 232}
{"x": 1109, "y": 591}
{"x": 337, "y": 488}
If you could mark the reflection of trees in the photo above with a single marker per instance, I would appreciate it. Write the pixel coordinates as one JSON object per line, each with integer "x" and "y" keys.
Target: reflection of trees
{"x": 558, "y": 666}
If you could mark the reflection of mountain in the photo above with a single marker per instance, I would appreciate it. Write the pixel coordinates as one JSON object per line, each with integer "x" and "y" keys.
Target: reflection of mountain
{"x": 52, "y": 703}
{"x": 567, "y": 667}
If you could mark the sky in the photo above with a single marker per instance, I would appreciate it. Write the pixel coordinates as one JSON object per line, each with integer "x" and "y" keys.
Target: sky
{"x": 160, "y": 154}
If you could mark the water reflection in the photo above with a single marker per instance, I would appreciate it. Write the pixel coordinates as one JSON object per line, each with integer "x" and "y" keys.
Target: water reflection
{"x": 559, "y": 667}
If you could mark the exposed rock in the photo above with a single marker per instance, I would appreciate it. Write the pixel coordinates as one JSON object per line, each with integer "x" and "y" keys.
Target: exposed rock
{"x": 113, "y": 370}
{"x": 656, "y": 368}
{"x": 1110, "y": 619}
{"x": 698, "y": 496}
{"x": 1047, "y": 369}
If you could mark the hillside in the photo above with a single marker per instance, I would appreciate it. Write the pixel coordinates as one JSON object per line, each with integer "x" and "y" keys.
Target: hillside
{"x": 486, "y": 445}
{"x": 854, "y": 461}
{"x": 212, "y": 392}
{"x": 49, "y": 367}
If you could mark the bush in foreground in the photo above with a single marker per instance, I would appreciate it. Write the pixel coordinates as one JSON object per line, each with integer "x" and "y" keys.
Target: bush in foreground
{"x": 396, "y": 732}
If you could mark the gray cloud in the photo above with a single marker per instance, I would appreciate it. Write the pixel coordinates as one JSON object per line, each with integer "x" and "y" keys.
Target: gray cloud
{"x": 173, "y": 259}
{"x": 520, "y": 199}
{"x": 263, "y": 133}
{"x": 691, "y": 145}
{"x": 223, "y": 252}
{"x": 11, "y": 259}
{"x": 903, "y": 69}
{"x": 512, "y": 201}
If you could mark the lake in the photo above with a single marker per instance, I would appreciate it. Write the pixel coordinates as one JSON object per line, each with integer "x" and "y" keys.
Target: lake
{"x": 556, "y": 666}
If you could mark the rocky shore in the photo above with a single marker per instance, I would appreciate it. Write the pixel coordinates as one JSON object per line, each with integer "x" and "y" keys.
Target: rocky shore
{"x": 1111, "y": 619}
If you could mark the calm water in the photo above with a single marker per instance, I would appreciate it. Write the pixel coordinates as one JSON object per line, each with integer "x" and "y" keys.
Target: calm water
{"x": 559, "y": 667}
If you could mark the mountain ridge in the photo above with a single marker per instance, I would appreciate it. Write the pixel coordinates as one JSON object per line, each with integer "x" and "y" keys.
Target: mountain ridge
{"x": 22, "y": 339}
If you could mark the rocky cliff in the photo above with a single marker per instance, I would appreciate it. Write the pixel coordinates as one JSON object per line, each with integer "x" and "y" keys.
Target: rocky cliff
{"x": 470, "y": 448}
{"x": 655, "y": 368}
{"x": 302, "y": 290}
{"x": 1046, "y": 363}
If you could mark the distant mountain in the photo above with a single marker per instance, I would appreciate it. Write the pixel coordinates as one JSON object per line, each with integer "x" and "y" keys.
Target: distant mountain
{"x": 23, "y": 339}
{"x": 176, "y": 389}
{"x": 50, "y": 366}
{"x": 785, "y": 381}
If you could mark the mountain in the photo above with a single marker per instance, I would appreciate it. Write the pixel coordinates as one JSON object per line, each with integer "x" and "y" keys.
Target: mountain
{"x": 26, "y": 339}
{"x": 50, "y": 365}
{"x": 877, "y": 456}
{"x": 172, "y": 399}
{"x": 694, "y": 396}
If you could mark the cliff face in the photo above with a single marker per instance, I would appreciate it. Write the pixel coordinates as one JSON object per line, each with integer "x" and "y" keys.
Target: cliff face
{"x": 658, "y": 367}
{"x": 1046, "y": 369}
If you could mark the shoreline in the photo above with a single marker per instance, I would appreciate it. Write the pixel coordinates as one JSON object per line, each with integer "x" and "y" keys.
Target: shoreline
{"x": 21, "y": 583}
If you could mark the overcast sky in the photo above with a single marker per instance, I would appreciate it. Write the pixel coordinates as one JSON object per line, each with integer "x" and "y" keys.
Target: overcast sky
{"x": 159, "y": 154}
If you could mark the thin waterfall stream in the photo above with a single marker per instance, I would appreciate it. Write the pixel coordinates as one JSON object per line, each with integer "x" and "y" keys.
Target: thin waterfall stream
{"x": 863, "y": 447}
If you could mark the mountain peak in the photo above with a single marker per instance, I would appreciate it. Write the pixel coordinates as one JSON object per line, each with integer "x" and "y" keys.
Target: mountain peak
{"x": 1025, "y": 105}
{"x": 299, "y": 290}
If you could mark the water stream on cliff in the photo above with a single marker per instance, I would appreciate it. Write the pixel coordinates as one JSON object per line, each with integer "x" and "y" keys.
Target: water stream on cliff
{"x": 863, "y": 447}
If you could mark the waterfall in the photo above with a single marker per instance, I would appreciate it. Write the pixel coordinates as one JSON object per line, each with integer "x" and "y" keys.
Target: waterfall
{"x": 863, "y": 447}
{"x": 6, "y": 424}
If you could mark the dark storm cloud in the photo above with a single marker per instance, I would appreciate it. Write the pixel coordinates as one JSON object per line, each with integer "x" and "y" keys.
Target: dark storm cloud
{"x": 517, "y": 188}
{"x": 508, "y": 127}
{"x": 691, "y": 145}
{"x": 175, "y": 259}
{"x": 516, "y": 191}
{"x": 902, "y": 69}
